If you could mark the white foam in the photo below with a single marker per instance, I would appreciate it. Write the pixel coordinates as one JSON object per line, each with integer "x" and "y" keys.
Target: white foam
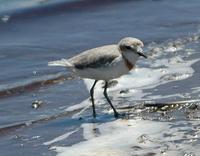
{"x": 116, "y": 138}
{"x": 61, "y": 137}
{"x": 134, "y": 137}
{"x": 5, "y": 18}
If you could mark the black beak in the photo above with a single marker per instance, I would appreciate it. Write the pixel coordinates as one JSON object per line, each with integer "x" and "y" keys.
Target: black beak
{"x": 140, "y": 52}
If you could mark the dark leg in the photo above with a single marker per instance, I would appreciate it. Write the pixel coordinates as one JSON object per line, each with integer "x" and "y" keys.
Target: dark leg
{"x": 92, "y": 98}
{"x": 107, "y": 98}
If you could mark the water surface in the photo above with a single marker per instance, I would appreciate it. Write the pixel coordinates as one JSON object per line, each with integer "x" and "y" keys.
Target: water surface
{"x": 35, "y": 32}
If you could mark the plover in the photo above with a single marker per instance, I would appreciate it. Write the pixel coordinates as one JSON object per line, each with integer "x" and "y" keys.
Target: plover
{"x": 105, "y": 63}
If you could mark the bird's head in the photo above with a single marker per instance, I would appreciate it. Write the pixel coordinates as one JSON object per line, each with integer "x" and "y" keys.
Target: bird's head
{"x": 131, "y": 45}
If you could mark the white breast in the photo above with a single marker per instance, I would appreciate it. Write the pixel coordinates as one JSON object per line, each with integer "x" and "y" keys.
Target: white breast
{"x": 114, "y": 70}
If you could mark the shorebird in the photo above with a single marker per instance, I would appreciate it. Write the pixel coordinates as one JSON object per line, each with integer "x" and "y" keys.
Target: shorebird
{"x": 105, "y": 63}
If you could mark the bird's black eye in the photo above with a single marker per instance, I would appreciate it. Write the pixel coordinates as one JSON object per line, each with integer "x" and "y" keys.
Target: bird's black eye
{"x": 128, "y": 47}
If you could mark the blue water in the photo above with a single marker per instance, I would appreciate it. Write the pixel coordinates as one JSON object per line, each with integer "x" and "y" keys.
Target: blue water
{"x": 7, "y": 6}
{"x": 33, "y": 32}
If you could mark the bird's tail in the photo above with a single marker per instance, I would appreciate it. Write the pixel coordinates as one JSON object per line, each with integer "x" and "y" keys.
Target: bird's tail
{"x": 62, "y": 62}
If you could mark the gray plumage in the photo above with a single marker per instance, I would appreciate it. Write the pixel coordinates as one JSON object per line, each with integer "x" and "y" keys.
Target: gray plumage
{"x": 95, "y": 58}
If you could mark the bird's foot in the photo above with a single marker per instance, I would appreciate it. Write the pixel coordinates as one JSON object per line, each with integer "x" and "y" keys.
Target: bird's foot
{"x": 116, "y": 115}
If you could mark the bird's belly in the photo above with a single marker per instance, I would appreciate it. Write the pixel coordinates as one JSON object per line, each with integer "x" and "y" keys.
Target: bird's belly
{"x": 103, "y": 73}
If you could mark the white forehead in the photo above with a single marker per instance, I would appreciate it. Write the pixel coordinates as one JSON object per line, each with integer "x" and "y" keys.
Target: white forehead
{"x": 130, "y": 41}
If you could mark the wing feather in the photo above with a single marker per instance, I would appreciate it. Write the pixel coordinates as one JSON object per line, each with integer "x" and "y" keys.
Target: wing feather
{"x": 95, "y": 58}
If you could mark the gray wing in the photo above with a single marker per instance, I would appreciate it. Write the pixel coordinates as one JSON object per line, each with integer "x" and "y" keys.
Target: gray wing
{"x": 95, "y": 58}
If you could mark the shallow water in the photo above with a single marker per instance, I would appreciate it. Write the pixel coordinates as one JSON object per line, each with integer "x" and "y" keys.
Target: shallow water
{"x": 31, "y": 35}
